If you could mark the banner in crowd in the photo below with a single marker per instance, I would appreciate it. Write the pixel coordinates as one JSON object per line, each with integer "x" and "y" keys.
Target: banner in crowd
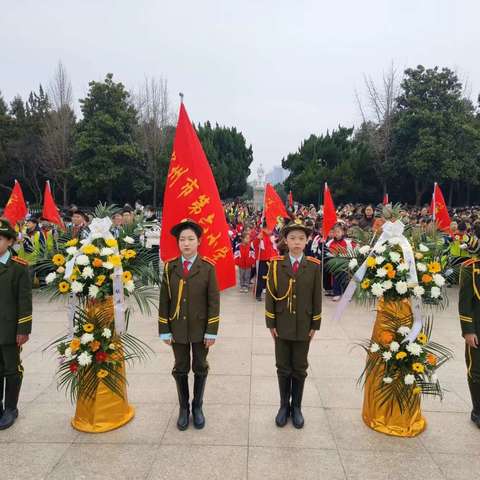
{"x": 16, "y": 208}
{"x": 50, "y": 211}
{"x": 191, "y": 192}
{"x": 273, "y": 207}
{"x": 329, "y": 212}
{"x": 439, "y": 209}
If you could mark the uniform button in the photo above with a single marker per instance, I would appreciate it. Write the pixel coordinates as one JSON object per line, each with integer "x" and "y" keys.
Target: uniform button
{"x": 294, "y": 296}
{"x": 294, "y": 312}
{"x": 184, "y": 317}
{"x": 184, "y": 299}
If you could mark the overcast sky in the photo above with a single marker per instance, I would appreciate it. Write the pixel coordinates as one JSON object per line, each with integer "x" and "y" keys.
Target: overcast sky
{"x": 277, "y": 70}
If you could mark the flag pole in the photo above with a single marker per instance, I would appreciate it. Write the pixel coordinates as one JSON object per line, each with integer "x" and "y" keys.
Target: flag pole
{"x": 324, "y": 242}
{"x": 257, "y": 260}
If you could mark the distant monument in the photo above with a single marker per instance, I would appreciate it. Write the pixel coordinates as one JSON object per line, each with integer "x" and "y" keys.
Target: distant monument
{"x": 259, "y": 188}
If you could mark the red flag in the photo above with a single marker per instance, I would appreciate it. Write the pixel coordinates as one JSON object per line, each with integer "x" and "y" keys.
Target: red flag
{"x": 191, "y": 192}
{"x": 290, "y": 199}
{"x": 438, "y": 209}
{"x": 50, "y": 211}
{"x": 386, "y": 200}
{"x": 329, "y": 212}
{"x": 16, "y": 208}
{"x": 273, "y": 207}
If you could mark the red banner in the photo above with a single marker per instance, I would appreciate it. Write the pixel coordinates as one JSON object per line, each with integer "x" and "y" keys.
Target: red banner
{"x": 438, "y": 209}
{"x": 273, "y": 207}
{"x": 16, "y": 208}
{"x": 290, "y": 199}
{"x": 191, "y": 192}
{"x": 50, "y": 211}
{"x": 386, "y": 200}
{"x": 329, "y": 212}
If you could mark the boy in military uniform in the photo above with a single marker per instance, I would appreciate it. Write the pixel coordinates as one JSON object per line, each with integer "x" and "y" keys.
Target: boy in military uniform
{"x": 469, "y": 312}
{"x": 15, "y": 323}
{"x": 189, "y": 317}
{"x": 293, "y": 308}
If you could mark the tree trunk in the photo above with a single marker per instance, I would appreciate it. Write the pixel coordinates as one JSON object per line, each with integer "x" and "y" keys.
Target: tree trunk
{"x": 155, "y": 188}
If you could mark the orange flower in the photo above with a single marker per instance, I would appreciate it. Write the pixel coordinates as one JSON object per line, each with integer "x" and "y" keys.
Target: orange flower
{"x": 388, "y": 267}
{"x": 97, "y": 262}
{"x": 431, "y": 359}
{"x": 386, "y": 337}
{"x": 94, "y": 346}
{"x": 116, "y": 356}
{"x": 391, "y": 274}
{"x": 426, "y": 278}
{"x": 74, "y": 344}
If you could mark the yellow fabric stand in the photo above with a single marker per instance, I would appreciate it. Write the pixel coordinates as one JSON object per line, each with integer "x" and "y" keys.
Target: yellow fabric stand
{"x": 388, "y": 418}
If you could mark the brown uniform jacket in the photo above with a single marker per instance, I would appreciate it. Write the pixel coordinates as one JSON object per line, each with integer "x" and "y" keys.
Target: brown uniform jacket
{"x": 189, "y": 306}
{"x": 293, "y": 304}
{"x": 15, "y": 300}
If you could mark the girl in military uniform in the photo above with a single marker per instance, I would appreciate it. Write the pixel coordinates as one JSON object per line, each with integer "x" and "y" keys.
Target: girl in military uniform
{"x": 189, "y": 318}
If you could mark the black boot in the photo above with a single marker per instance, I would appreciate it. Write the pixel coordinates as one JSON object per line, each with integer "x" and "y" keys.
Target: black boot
{"x": 183, "y": 401}
{"x": 284, "y": 385}
{"x": 13, "y": 384}
{"x": 475, "y": 393}
{"x": 297, "y": 394}
{"x": 198, "y": 391}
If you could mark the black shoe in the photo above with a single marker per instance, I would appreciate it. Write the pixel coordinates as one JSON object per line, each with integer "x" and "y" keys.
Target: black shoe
{"x": 258, "y": 299}
{"x": 183, "y": 400}
{"x": 475, "y": 394}
{"x": 8, "y": 418}
{"x": 284, "y": 385}
{"x": 475, "y": 417}
{"x": 198, "y": 391}
{"x": 297, "y": 394}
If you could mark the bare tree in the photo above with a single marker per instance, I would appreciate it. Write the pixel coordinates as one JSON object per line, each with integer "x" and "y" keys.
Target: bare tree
{"x": 155, "y": 121}
{"x": 377, "y": 113}
{"x": 57, "y": 140}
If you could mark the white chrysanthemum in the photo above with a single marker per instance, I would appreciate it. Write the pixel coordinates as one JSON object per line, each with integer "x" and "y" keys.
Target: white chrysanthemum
{"x": 86, "y": 338}
{"x": 423, "y": 248}
{"x": 435, "y": 292}
{"x": 377, "y": 290}
{"x": 387, "y": 379}
{"x": 379, "y": 249}
{"x": 418, "y": 291}
{"x": 68, "y": 353}
{"x": 381, "y": 272}
{"x": 77, "y": 287}
{"x": 409, "y": 379}
{"x": 112, "y": 346}
{"x": 71, "y": 251}
{"x": 395, "y": 257}
{"x": 374, "y": 347}
{"x": 130, "y": 286}
{"x": 82, "y": 260}
{"x": 404, "y": 331}
{"x": 106, "y": 333}
{"x": 84, "y": 359}
{"x": 50, "y": 278}
{"x": 352, "y": 263}
{"x": 439, "y": 280}
{"x": 96, "y": 235}
{"x": 395, "y": 241}
{"x": 87, "y": 272}
{"x": 394, "y": 346}
{"x": 108, "y": 265}
{"x": 402, "y": 267}
{"x": 365, "y": 250}
{"x": 93, "y": 291}
{"x": 387, "y": 284}
{"x": 106, "y": 252}
{"x": 129, "y": 240}
{"x": 401, "y": 287}
{"x": 379, "y": 260}
{"x": 421, "y": 267}
{"x": 387, "y": 356}
{"x": 414, "y": 349}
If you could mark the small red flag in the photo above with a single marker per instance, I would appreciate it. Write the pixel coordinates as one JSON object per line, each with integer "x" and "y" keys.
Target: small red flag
{"x": 386, "y": 200}
{"x": 273, "y": 207}
{"x": 50, "y": 211}
{"x": 16, "y": 208}
{"x": 329, "y": 212}
{"x": 290, "y": 199}
{"x": 191, "y": 192}
{"x": 438, "y": 209}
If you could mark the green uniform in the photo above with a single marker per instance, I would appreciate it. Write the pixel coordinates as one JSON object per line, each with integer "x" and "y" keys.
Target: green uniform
{"x": 293, "y": 306}
{"x": 189, "y": 311}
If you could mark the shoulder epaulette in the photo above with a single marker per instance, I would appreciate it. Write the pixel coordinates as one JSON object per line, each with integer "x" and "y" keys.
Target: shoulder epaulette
{"x": 170, "y": 260}
{"x": 470, "y": 261}
{"x": 208, "y": 260}
{"x": 19, "y": 260}
{"x": 278, "y": 257}
{"x": 314, "y": 260}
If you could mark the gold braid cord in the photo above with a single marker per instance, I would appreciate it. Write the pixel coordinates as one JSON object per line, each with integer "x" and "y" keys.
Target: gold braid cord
{"x": 275, "y": 282}
{"x": 179, "y": 299}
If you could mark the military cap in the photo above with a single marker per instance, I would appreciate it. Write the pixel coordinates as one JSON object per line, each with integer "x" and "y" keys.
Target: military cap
{"x": 6, "y": 230}
{"x": 296, "y": 224}
{"x": 185, "y": 224}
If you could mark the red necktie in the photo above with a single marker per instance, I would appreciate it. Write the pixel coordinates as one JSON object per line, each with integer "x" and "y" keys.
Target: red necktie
{"x": 295, "y": 266}
{"x": 186, "y": 271}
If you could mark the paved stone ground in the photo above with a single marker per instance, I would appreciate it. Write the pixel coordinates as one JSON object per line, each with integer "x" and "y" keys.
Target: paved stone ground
{"x": 240, "y": 440}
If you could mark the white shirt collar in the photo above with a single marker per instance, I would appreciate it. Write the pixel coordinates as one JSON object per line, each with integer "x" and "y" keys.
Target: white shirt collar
{"x": 293, "y": 259}
{"x": 191, "y": 260}
{"x": 5, "y": 257}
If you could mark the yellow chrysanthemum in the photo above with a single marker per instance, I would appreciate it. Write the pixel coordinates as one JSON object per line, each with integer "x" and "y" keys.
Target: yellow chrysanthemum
{"x": 434, "y": 267}
{"x": 115, "y": 260}
{"x": 422, "y": 338}
{"x": 58, "y": 260}
{"x": 400, "y": 355}
{"x": 111, "y": 242}
{"x": 100, "y": 280}
{"x": 371, "y": 262}
{"x": 72, "y": 242}
{"x": 63, "y": 287}
{"x": 73, "y": 277}
{"x": 418, "y": 367}
{"x": 365, "y": 284}
{"x": 89, "y": 249}
{"x": 88, "y": 327}
{"x": 388, "y": 267}
{"x": 74, "y": 344}
{"x": 417, "y": 390}
{"x": 130, "y": 254}
{"x": 127, "y": 276}
{"x": 102, "y": 373}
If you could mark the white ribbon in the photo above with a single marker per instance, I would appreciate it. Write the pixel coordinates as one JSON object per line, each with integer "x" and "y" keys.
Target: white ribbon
{"x": 390, "y": 230}
{"x": 100, "y": 228}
